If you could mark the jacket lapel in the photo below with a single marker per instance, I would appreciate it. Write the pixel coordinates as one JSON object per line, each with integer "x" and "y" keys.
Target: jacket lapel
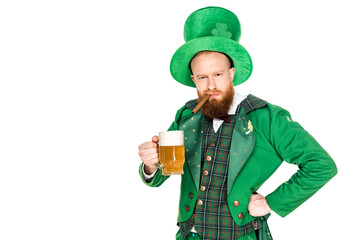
{"x": 193, "y": 131}
{"x": 242, "y": 145}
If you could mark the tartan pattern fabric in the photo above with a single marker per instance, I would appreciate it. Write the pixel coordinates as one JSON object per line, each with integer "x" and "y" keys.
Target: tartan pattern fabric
{"x": 252, "y": 103}
{"x": 212, "y": 219}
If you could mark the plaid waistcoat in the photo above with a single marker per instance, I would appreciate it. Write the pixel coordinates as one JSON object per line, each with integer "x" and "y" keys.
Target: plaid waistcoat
{"x": 212, "y": 218}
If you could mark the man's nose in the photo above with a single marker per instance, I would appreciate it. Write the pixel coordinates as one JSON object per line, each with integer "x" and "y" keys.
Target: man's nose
{"x": 211, "y": 83}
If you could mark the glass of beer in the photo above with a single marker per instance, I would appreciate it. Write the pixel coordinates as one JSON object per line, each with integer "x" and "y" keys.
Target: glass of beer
{"x": 171, "y": 152}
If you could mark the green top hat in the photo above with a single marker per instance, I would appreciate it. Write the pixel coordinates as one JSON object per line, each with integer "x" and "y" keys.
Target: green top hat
{"x": 211, "y": 29}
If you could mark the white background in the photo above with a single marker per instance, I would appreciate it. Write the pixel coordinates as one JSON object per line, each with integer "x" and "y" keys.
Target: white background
{"x": 83, "y": 83}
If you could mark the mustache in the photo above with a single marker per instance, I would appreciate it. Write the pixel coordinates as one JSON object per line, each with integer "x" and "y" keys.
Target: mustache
{"x": 208, "y": 92}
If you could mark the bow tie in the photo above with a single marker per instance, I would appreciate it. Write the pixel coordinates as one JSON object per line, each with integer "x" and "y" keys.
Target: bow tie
{"x": 226, "y": 118}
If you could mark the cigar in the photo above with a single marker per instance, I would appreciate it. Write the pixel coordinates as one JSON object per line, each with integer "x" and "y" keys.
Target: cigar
{"x": 196, "y": 109}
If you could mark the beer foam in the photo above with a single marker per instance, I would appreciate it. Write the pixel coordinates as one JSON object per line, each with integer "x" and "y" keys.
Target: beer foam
{"x": 171, "y": 138}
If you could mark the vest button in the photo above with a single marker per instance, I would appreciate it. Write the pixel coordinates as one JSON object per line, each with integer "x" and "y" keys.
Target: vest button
{"x": 206, "y": 173}
{"x": 202, "y": 188}
{"x": 212, "y": 144}
{"x": 236, "y": 203}
{"x": 200, "y": 202}
{"x": 187, "y": 208}
{"x": 208, "y": 158}
{"x": 241, "y": 215}
{"x": 191, "y": 195}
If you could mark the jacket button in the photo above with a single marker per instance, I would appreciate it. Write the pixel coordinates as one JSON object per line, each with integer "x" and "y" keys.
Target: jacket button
{"x": 187, "y": 208}
{"x": 241, "y": 215}
{"x": 236, "y": 203}
{"x": 208, "y": 158}
{"x": 191, "y": 195}
{"x": 200, "y": 202}
{"x": 206, "y": 173}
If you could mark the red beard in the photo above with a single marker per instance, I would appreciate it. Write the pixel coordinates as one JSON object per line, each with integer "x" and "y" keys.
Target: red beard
{"x": 214, "y": 108}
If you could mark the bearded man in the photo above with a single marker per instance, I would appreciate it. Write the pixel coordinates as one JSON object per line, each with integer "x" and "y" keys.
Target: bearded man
{"x": 235, "y": 143}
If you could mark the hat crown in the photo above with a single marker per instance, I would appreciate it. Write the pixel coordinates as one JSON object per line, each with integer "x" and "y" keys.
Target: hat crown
{"x": 212, "y": 21}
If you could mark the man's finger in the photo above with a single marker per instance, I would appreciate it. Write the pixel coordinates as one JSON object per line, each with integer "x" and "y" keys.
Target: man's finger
{"x": 147, "y": 145}
{"x": 155, "y": 139}
{"x": 150, "y": 157}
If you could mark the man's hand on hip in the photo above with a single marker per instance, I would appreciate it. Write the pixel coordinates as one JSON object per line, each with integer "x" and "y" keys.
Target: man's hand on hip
{"x": 258, "y": 206}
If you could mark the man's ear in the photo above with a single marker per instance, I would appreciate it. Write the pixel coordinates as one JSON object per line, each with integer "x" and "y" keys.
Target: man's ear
{"x": 193, "y": 78}
{"x": 232, "y": 73}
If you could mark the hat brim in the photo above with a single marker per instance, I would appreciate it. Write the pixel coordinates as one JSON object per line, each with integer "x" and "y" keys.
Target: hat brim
{"x": 179, "y": 65}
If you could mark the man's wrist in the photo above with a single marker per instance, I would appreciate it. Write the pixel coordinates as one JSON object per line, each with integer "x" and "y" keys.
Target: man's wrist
{"x": 150, "y": 170}
{"x": 146, "y": 174}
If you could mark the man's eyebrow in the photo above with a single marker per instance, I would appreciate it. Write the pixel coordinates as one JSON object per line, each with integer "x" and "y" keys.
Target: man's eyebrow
{"x": 201, "y": 75}
{"x": 219, "y": 71}
{"x": 213, "y": 72}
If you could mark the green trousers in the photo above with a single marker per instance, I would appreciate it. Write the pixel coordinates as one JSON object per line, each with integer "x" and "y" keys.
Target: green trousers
{"x": 250, "y": 236}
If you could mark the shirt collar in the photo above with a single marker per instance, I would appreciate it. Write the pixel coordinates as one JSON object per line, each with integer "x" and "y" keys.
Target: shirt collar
{"x": 237, "y": 100}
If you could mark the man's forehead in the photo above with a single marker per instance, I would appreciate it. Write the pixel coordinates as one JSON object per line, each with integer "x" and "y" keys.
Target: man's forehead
{"x": 207, "y": 53}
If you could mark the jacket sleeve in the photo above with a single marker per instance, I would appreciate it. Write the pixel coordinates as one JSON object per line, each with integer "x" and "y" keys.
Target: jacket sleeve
{"x": 159, "y": 179}
{"x": 297, "y": 146}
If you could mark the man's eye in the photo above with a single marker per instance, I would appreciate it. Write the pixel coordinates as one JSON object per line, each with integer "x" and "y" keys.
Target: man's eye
{"x": 218, "y": 75}
{"x": 202, "y": 78}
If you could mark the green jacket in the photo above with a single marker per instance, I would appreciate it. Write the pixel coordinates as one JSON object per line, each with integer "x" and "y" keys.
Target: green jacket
{"x": 261, "y": 141}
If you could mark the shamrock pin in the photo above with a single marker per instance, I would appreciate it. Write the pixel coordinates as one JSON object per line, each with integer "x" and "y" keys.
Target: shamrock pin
{"x": 221, "y": 30}
{"x": 250, "y": 127}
